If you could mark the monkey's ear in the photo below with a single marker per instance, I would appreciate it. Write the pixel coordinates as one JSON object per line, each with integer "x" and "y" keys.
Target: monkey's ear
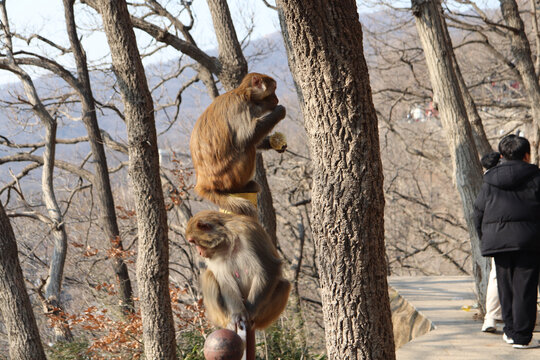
{"x": 201, "y": 225}
{"x": 256, "y": 81}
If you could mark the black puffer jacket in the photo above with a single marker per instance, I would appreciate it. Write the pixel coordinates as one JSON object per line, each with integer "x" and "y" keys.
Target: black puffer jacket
{"x": 507, "y": 210}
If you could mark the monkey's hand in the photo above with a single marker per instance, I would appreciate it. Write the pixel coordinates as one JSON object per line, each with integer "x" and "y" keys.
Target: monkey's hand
{"x": 240, "y": 320}
{"x": 279, "y": 112}
{"x": 278, "y": 142}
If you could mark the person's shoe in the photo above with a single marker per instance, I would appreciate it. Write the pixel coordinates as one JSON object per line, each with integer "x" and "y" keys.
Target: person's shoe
{"x": 507, "y": 339}
{"x": 532, "y": 345}
{"x": 489, "y": 326}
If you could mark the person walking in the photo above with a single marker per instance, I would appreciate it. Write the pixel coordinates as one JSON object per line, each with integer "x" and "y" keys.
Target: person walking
{"x": 507, "y": 218}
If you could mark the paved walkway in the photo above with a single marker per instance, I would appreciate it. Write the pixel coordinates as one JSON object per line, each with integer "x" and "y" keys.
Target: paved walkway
{"x": 456, "y": 335}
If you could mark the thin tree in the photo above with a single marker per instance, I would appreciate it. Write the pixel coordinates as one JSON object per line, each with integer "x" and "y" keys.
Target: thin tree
{"x": 51, "y": 299}
{"x": 459, "y": 137}
{"x": 101, "y": 177}
{"x": 153, "y": 247}
{"x": 325, "y": 51}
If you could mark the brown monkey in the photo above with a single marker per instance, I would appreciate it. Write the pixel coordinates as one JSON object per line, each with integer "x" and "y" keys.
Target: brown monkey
{"x": 243, "y": 282}
{"x": 225, "y": 138}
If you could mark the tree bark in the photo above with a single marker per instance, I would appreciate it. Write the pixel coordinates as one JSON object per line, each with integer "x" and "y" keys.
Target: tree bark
{"x": 327, "y": 62}
{"x": 22, "y": 330}
{"x": 234, "y": 64}
{"x": 153, "y": 247}
{"x": 521, "y": 51}
{"x": 101, "y": 182}
{"x": 466, "y": 165}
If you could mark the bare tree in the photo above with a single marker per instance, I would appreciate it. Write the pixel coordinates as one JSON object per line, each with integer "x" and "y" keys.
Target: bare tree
{"x": 153, "y": 247}
{"x": 523, "y": 61}
{"x": 447, "y": 91}
{"x": 347, "y": 194}
{"x": 56, "y": 269}
{"x": 101, "y": 177}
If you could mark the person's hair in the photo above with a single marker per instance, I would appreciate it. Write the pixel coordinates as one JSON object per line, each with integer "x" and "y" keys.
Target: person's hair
{"x": 490, "y": 160}
{"x": 513, "y": 147}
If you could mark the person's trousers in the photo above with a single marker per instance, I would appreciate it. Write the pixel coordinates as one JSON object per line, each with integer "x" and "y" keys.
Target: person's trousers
{"x": 493, "y": 305}
{"x": 517, "y": 279}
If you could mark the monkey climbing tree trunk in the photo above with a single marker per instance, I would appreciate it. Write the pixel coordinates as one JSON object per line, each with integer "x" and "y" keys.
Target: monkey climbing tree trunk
{"x": 153, "y": 247}
{"x": 19, "y": 320}
{"x": 467, "y": 169}
{"x": 327, "y": 62}
{"x": 101, "y": 182}
{"x": 523, "y": 60}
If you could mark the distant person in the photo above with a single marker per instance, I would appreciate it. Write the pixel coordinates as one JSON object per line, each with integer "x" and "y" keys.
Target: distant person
{"x": 507, "y": 218}
{"x": 493, "y": 305}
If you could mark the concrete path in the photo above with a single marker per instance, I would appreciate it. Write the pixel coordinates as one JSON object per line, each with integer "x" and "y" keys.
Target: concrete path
{"x": 456, "y": 335}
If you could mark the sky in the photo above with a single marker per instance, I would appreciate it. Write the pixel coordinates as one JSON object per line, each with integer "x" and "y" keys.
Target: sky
{"x": 46, "y": 17}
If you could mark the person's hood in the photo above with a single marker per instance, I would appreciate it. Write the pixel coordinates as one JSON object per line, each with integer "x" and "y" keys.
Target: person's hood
{"x": 510, "y": 174}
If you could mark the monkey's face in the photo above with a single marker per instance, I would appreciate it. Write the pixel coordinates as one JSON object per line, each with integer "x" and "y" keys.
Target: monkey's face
{"x": 207, "y": 232}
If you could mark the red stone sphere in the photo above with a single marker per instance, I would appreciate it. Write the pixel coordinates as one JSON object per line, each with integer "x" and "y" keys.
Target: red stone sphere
{"x": 223, "y": 344}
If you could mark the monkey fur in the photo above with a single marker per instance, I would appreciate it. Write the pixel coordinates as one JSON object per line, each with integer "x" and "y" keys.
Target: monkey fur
{"x": 243, "y": 282}
{"x": 225, "y": 139}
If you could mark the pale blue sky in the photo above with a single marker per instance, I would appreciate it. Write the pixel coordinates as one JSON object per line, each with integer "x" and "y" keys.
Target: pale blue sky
{"x": 46, "y": 17}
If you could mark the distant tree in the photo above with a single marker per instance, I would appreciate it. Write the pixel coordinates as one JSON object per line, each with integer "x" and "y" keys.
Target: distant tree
{"x": 101, "y": 178}
{"x": 326, "y": 57}
{"x": 51, "y": 300}
{"x": 15, "y": 306}
{"x": 524, "y": 64}
{"x": 448, "y": 93}
{"x": 153, "y": 247}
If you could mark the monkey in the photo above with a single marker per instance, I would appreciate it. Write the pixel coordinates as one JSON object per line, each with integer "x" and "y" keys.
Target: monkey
{"x": 225, "y": 139}
{"x": 243, "y": 281}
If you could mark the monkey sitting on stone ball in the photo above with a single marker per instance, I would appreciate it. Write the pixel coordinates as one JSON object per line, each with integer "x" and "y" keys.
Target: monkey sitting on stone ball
{"x": 243, "y": 282}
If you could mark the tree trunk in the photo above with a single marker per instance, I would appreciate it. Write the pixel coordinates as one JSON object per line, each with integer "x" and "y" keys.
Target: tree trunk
{"x": 521, "y": 51}
{"x": 467, "y": 169}
{"x": 22, "y": 330}
{"x": 327, "y": 62}
{"x": 267, "y": 213}
{"x": 53, "y": 303}
{"x": 480, "y": 139}
{"x": 101, "y": 182}
{"x": 234, "y": 64}
{"x": 153, "y": 247}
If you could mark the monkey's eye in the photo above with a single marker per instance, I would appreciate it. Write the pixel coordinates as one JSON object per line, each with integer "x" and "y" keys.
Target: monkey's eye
{"x": 204, "y": 226}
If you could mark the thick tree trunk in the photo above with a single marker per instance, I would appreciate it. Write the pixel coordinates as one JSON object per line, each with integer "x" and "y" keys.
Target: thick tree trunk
{"x": 521, "y": 51}
{"x": 101, "y": 182}
{"x": 22, "y": 330}
{"x": 153, "y": 247}
{"x": 327, "y": 62}
{"x": 466, "y": 164}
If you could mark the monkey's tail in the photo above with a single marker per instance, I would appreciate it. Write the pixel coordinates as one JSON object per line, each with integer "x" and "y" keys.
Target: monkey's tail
{"x": 226, "y": 201}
